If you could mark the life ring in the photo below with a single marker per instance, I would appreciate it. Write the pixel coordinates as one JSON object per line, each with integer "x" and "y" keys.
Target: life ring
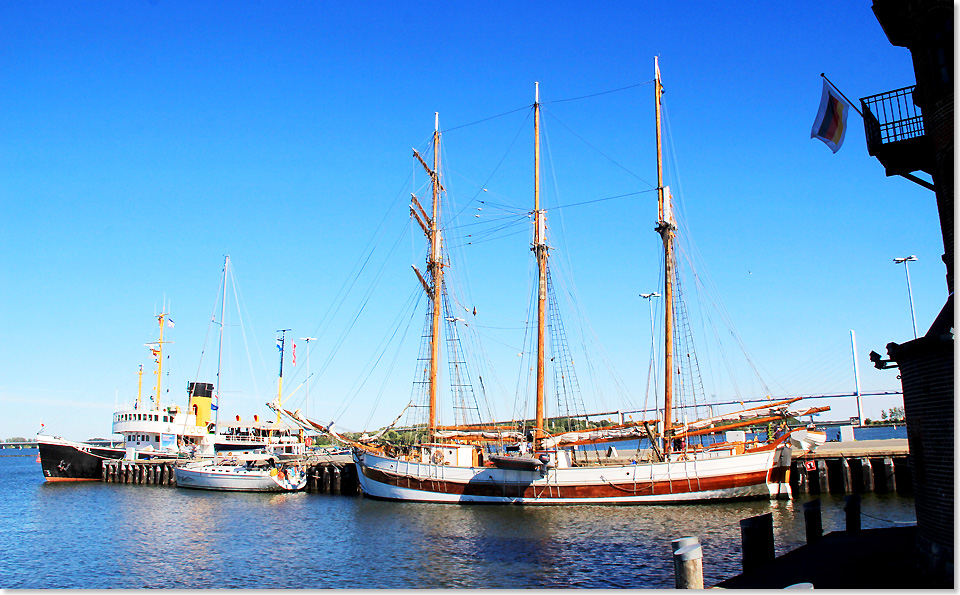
{"x": 437, "y": 457}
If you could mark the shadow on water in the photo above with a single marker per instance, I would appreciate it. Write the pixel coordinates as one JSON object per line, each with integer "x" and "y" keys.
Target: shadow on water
{"x": 94, "y": 535}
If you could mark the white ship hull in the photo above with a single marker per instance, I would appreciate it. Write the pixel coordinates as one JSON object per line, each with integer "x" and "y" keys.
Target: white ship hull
{"x": 763, "y": 473}
{"x": 238, "y": 479}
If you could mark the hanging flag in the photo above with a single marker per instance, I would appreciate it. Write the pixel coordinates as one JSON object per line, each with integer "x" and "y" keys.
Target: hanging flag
{"x": 831, "y": 123}
{"x": 169, "y": 323}
{"x": 279, "y": 344}
{"x": 294, "y": 354}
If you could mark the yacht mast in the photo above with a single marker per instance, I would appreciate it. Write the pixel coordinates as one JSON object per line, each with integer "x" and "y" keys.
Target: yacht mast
{"x": 665, "y": 227}
{"x": 280, "y": 343}
{"x": 159, "y": 355}
{"x": 540, "y": 250}
{"x": 223, "y": 303}
{"x": 431, "y": 228}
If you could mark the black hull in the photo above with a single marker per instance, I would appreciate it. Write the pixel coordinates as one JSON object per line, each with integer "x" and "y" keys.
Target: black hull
{"x": 68, "y": 462}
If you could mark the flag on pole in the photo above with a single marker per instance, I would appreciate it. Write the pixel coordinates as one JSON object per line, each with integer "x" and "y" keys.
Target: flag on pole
{"x": 279, "y": 344}
{"x": 294, "y": 354}
{"x": 169, "y": 323}
{"x": 831, "y": 123}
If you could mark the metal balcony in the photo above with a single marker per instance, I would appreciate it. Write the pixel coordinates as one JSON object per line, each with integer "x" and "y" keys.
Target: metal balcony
{"x": 894, "y": 128}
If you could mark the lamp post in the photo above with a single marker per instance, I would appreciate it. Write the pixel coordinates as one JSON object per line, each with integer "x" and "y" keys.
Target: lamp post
{"x": 906, "y": 268}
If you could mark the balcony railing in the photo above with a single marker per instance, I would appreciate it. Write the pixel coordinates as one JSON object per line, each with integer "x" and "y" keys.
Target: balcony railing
{"x": 894, "y": 128}
{"x": 891, "y": 117}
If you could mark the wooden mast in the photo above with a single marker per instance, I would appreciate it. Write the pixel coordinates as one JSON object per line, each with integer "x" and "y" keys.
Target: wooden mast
{"x": 540, "y": 250}
{"x": 159, "y": 355}
{"x": 666, "y": 228}
{"x": 431, "y": 228}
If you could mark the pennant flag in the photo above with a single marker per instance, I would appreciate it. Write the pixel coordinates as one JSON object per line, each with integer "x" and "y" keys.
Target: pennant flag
{"x": 279, "y": 344}
{"x": 831, "y": 123}
{"x": 169, "y": 323}
{"x": 294, "y": 354}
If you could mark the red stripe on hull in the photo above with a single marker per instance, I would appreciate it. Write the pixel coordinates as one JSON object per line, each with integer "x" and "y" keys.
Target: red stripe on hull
{"x": 546, "y": 492}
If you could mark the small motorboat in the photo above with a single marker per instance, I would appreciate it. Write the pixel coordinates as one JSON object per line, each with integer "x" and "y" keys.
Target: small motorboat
{"x": 243, "y": 473}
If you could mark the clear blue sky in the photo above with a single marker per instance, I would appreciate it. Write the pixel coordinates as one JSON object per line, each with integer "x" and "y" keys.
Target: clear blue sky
{"x": 144, "y": 140}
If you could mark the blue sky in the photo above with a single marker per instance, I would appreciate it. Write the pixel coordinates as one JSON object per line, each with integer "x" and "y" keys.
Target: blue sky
{"x": 143, "y": 141}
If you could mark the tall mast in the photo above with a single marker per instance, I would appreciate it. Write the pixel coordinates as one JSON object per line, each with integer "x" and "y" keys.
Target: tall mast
{"x": 139, "y": 385}
{"x": 223, "y": 303}
{"x": 160, "y": 357}
{"x": 540, "y": 250}
{"x": 431, "y": 228}
{"x": 666, "y": 228}
{"x": 280, "y": 342}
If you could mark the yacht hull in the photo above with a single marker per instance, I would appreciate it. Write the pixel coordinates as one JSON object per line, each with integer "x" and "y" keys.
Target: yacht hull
{"x": 235, "y": 479}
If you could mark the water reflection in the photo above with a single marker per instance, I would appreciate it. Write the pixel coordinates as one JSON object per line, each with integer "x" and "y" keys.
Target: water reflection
{"x": 114, "y": 535}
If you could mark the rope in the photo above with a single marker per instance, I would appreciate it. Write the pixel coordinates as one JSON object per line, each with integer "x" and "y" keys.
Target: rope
{"x": 888, "y": 520}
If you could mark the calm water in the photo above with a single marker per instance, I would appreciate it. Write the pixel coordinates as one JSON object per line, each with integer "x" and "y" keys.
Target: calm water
{"x": 93, "y": 535}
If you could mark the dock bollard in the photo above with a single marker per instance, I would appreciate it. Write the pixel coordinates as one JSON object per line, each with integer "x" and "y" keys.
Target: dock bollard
{"x": 851, "y": 505}
{"x": 757, "y": 538}
{"x": 812, "y": 520}
{"x": 688, "y": 566}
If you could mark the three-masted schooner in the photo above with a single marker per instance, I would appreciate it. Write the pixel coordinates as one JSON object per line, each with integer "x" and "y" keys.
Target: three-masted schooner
{"x": 453, "y": 465}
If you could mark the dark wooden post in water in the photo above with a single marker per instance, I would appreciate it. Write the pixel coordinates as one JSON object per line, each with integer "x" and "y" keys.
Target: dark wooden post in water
{"x": 851, "y": 505}
{"x": 822, "y": 477}
{"x": 757, "y": 536}
{"x": 812, "y": 520}
{"x": 867, "y": 470}
{"x": 889, "y": 477}
{"x": 335, "y": 480}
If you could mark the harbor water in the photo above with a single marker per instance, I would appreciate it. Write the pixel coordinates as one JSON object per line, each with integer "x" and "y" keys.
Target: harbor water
{"x": 97, "y": 535}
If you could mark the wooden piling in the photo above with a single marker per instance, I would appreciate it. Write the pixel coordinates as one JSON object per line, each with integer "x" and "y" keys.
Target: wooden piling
{"x": 823, "y": 478}
{"x": 812, "y": 520}
{"x": 325, "y": 479}
{"x": 683, "y": 542}
{"x": 846, "y": 476}
{"x": 757, "y": 539}
{"x": 851, "y": 505}
{"x": 688, "y": 566}
{"x": 335, "y": 480}
{"x": 889, "y": 477}
{"x": 127, "y": 474}
{"x": 866, "y": 469}
{"x": 152, "y": 475}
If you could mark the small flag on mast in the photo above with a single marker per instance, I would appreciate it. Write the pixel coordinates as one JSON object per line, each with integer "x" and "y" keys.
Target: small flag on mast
{"x": 831, "y": 123}
{"x": 294, "y": 354}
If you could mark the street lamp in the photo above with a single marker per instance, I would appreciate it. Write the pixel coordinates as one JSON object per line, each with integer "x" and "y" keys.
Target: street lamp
{"x": 906, "y": 268}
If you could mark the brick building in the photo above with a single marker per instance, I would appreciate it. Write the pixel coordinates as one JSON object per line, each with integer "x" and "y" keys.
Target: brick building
{"x": 906, "y": 141}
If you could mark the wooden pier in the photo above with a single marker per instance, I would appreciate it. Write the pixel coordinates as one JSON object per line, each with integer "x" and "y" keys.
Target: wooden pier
{"x": 325, "y": 474}
{"x": 857, "y": 467}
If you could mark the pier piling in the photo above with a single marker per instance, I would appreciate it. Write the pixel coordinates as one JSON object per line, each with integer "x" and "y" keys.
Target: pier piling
{"x": 757, "y": 538}
{"x": 851, "y": 505}
{"x": 812, "y": 520}
{"x": 688, "y": 566}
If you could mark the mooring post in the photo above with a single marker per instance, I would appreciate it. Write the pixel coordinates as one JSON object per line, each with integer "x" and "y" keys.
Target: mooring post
{"x": 812, "y": 520}
{"x": 757, "y": 537}
{"x": 683, "y": 542}
{"x": 822, "y": 476}
{"x": 866, "y": 469}
{"x": 846, "y": 476}
{"x": 851, "y": 505}
{"x": 335, "y": 481}
{"x": 688, "y": 566}
{"x": 889, "y": 476}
